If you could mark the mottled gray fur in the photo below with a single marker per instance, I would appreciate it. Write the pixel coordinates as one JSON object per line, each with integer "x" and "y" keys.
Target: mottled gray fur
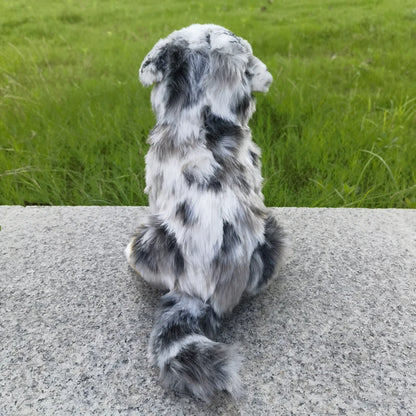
{"x": 209, "y": 238}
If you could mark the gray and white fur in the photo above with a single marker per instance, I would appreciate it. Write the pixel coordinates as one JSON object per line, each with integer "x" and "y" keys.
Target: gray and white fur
{"x": 208, "y": 238}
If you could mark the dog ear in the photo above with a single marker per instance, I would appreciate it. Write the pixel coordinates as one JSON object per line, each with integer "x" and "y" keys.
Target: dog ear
{"x": 180, "y": 68}
{"x": 228, "y": 91}
{"x": 258, "y": 75}
{"x": 154, "y": 64}
{"x": 229, "y": 55}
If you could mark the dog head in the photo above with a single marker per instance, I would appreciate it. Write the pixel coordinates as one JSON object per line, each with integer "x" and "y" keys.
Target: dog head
{"x": 203, "y": 66}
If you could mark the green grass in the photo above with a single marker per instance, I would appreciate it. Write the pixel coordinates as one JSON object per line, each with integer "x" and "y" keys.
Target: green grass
{"x": 338, "y": 127}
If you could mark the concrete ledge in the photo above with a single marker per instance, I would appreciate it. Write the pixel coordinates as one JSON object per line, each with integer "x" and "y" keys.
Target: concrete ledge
{"x": 335, "y": 334}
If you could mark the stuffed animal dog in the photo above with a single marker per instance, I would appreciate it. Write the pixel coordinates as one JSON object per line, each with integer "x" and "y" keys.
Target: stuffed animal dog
{"x": 209, "y": 238}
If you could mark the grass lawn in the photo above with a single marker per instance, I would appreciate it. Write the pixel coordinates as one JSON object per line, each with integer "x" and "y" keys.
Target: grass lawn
{"x": 338, "y": 127}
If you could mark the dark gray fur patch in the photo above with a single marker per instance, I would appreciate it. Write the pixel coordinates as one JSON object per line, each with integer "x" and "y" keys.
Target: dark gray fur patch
{"x": 185, "y": 213}
{"x": 154, "y": 245}
{"x": 272, "y": 248}
{"x": 175, "y": 320}
{"x": 184, "y": 76}
{"x": 209, "y": 183}
{"x": 266, "y": 256}
{"x": 182, "y": 313}
{"x": 161, "y": 61}
{"x": 223, "y": 138}
{"x": 145, "y": 64}
{"x": 254, "y": 159}
{"x": 178, "y": 83}
{"x": 214, "y": 183}
{"x": 241, "y": 107}
{"x": 230, "y": 239}
{"x": 189, "y": 177}
{"x": 248, "y": 75}
{"x": 217, "y": 129}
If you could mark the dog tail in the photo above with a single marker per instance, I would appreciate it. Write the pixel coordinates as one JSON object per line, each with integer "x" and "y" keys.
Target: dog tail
{"x": 181, "y": 346}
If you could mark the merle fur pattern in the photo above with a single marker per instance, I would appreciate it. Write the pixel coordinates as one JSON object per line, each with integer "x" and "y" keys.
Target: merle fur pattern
{"x": 209, "y": 238}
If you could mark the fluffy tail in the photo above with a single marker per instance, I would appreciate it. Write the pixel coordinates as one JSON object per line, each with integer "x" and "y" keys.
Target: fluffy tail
{"x": 181, "y": 346}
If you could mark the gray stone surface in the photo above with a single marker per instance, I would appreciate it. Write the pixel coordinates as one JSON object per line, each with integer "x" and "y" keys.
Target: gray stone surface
{"x": 334, "y": 334}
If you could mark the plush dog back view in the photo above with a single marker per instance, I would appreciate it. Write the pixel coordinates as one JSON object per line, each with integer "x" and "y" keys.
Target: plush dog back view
{"x": 208, "y": 238}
